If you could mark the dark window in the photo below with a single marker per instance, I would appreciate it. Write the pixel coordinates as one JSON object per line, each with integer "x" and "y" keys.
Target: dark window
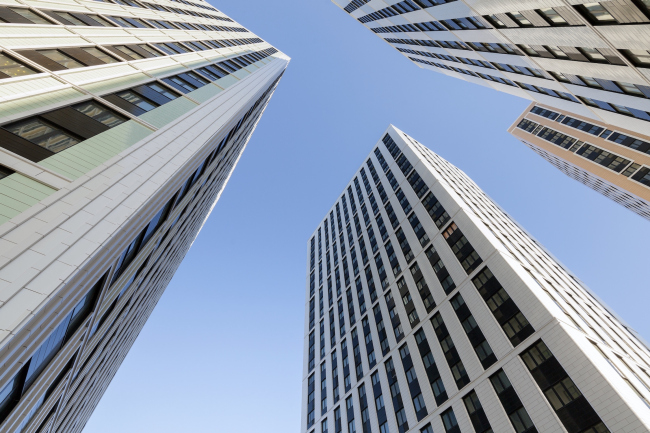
{"x": 569, "y": 404}
{"x": 476, "y": 413}
{"x": 461, "y": 247}
{"x": 505, "y": 310}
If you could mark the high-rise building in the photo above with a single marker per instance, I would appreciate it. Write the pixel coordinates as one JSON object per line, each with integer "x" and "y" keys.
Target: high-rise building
{"x": 615, "y": 163}
{"x": 430, "y": 310}
{"x": 589, "y": 60}
{"x": 120, "y": 124}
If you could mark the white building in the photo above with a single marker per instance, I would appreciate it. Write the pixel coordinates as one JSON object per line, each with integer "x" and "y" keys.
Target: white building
{"x": 120, "y": 124}
{"x": 586, "y": 60}
{"x": 430, "y": 310}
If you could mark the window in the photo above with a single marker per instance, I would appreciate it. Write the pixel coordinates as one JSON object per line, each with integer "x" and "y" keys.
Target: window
{"x": 562, "y": 393}
{"x": 630, "y": 89}
{"x": 62, "y": 59}
{"x": 449, "y": 421}
{"x": 552, "y": 17}
{"x": 639, "y": 58}
{"x": 476, "y": 413}
{"x": 556, "y": 51}
{"x": 43, "y": 134}
{"x": 575, "y": 412}
{"x": 520, "y": 19}
{"x": 510, "y": 401}
{"x": 596, "y": 13}
{"x": 100, "y": 113}
{"x": 30, "y": 16}
{"x": 11, "y": 68}
{"x": 99, "y": 54}
{"x": 418, "y": 403}
{"x": 137, "y": 100}
{"x": 593, "y": 55}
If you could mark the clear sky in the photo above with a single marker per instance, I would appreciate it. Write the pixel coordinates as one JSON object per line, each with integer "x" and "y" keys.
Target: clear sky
{"x": 222, "y": 351}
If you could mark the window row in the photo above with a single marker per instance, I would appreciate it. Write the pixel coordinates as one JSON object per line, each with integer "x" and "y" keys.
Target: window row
{"x": 22, "y": 15}
{"x": 43, "y": 135}
{"x": 593, "y": 153}
{"x": 57, "y": 59}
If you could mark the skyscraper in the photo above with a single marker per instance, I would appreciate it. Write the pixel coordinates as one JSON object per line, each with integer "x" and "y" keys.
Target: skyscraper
{"x": 615, "y": 163}
{"x": 587, "y": 59}
{"x": 430, "y": 310}
{"x": 120, "y": 124}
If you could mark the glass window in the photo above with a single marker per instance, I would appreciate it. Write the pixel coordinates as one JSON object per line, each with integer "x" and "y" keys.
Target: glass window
{"x": 102, "y": 21}
{"x": 12, "y": 68}
{"x": 162, "y": 90}
{"x": 597, "y": 13}
{"x": 520, "y": 19}
{"x": 593, "y": 55}
{"x": 69, "y": 17}
{"x": 560, "y": 77}
{"x": 552, "y": 16}
{"x": 589, "y": 81}
{"x": 96, "y": 52}
{"x": 43, "y": 134}
{"x": 100, "y": 113}
{"x": 128, "y": 51}
{"x": 61, "y": 59}
{"x": 34, "y": 18}
{"x": 556, "y": 52}
{"x": 638, "y": 57}
{"x": 629, "y": 88}
{"x": 150, "y": 50}
{"x": 137, "y": 100}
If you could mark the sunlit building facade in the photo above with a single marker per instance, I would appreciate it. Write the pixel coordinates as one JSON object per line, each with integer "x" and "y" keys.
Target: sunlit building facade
{"x": 582, "y": 59}
{"x": 428, "y": 309}
{"x": 120, "y": 125}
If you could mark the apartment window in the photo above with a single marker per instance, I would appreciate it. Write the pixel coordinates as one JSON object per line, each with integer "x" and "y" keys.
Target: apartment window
{"x": 596, "y": 13}
{"x": 552, "y": 17}
{"x": 573, "y": 409}
{"x": 461, "y": 248}
{"x": 323, "y": 426}
{"x": 474, "y": 333}
{"x": 99, "y": 54}
{"x": 64, "y": 60}
{"x": 503, "y": 308}
{"x": 449, "y": 421}
{"x": 451, "y": 354}
{"x": 556, "y": 51}
{"x": 510, "y": 401}
{"x": 520, "y": 19}
{"x": 138, "y": 101}
{"x": 630, "y": 89}
{"x": 43, "y": 134}
{"x": 100, "y": 113}
{"x": 476, "y": 413}
{"x": 435, "y": 210}
{"x": 11, "y": 68}
{"x": 593, "y": 55}
{"x": 23, "y": 15}
{"x": 639, "y": 58}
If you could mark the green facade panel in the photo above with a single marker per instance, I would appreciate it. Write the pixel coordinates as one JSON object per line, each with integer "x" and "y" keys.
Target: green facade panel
{"x": 79, "y": 159}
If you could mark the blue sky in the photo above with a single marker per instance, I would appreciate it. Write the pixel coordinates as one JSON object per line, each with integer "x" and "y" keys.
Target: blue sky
{"x": 222, "y": 352}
